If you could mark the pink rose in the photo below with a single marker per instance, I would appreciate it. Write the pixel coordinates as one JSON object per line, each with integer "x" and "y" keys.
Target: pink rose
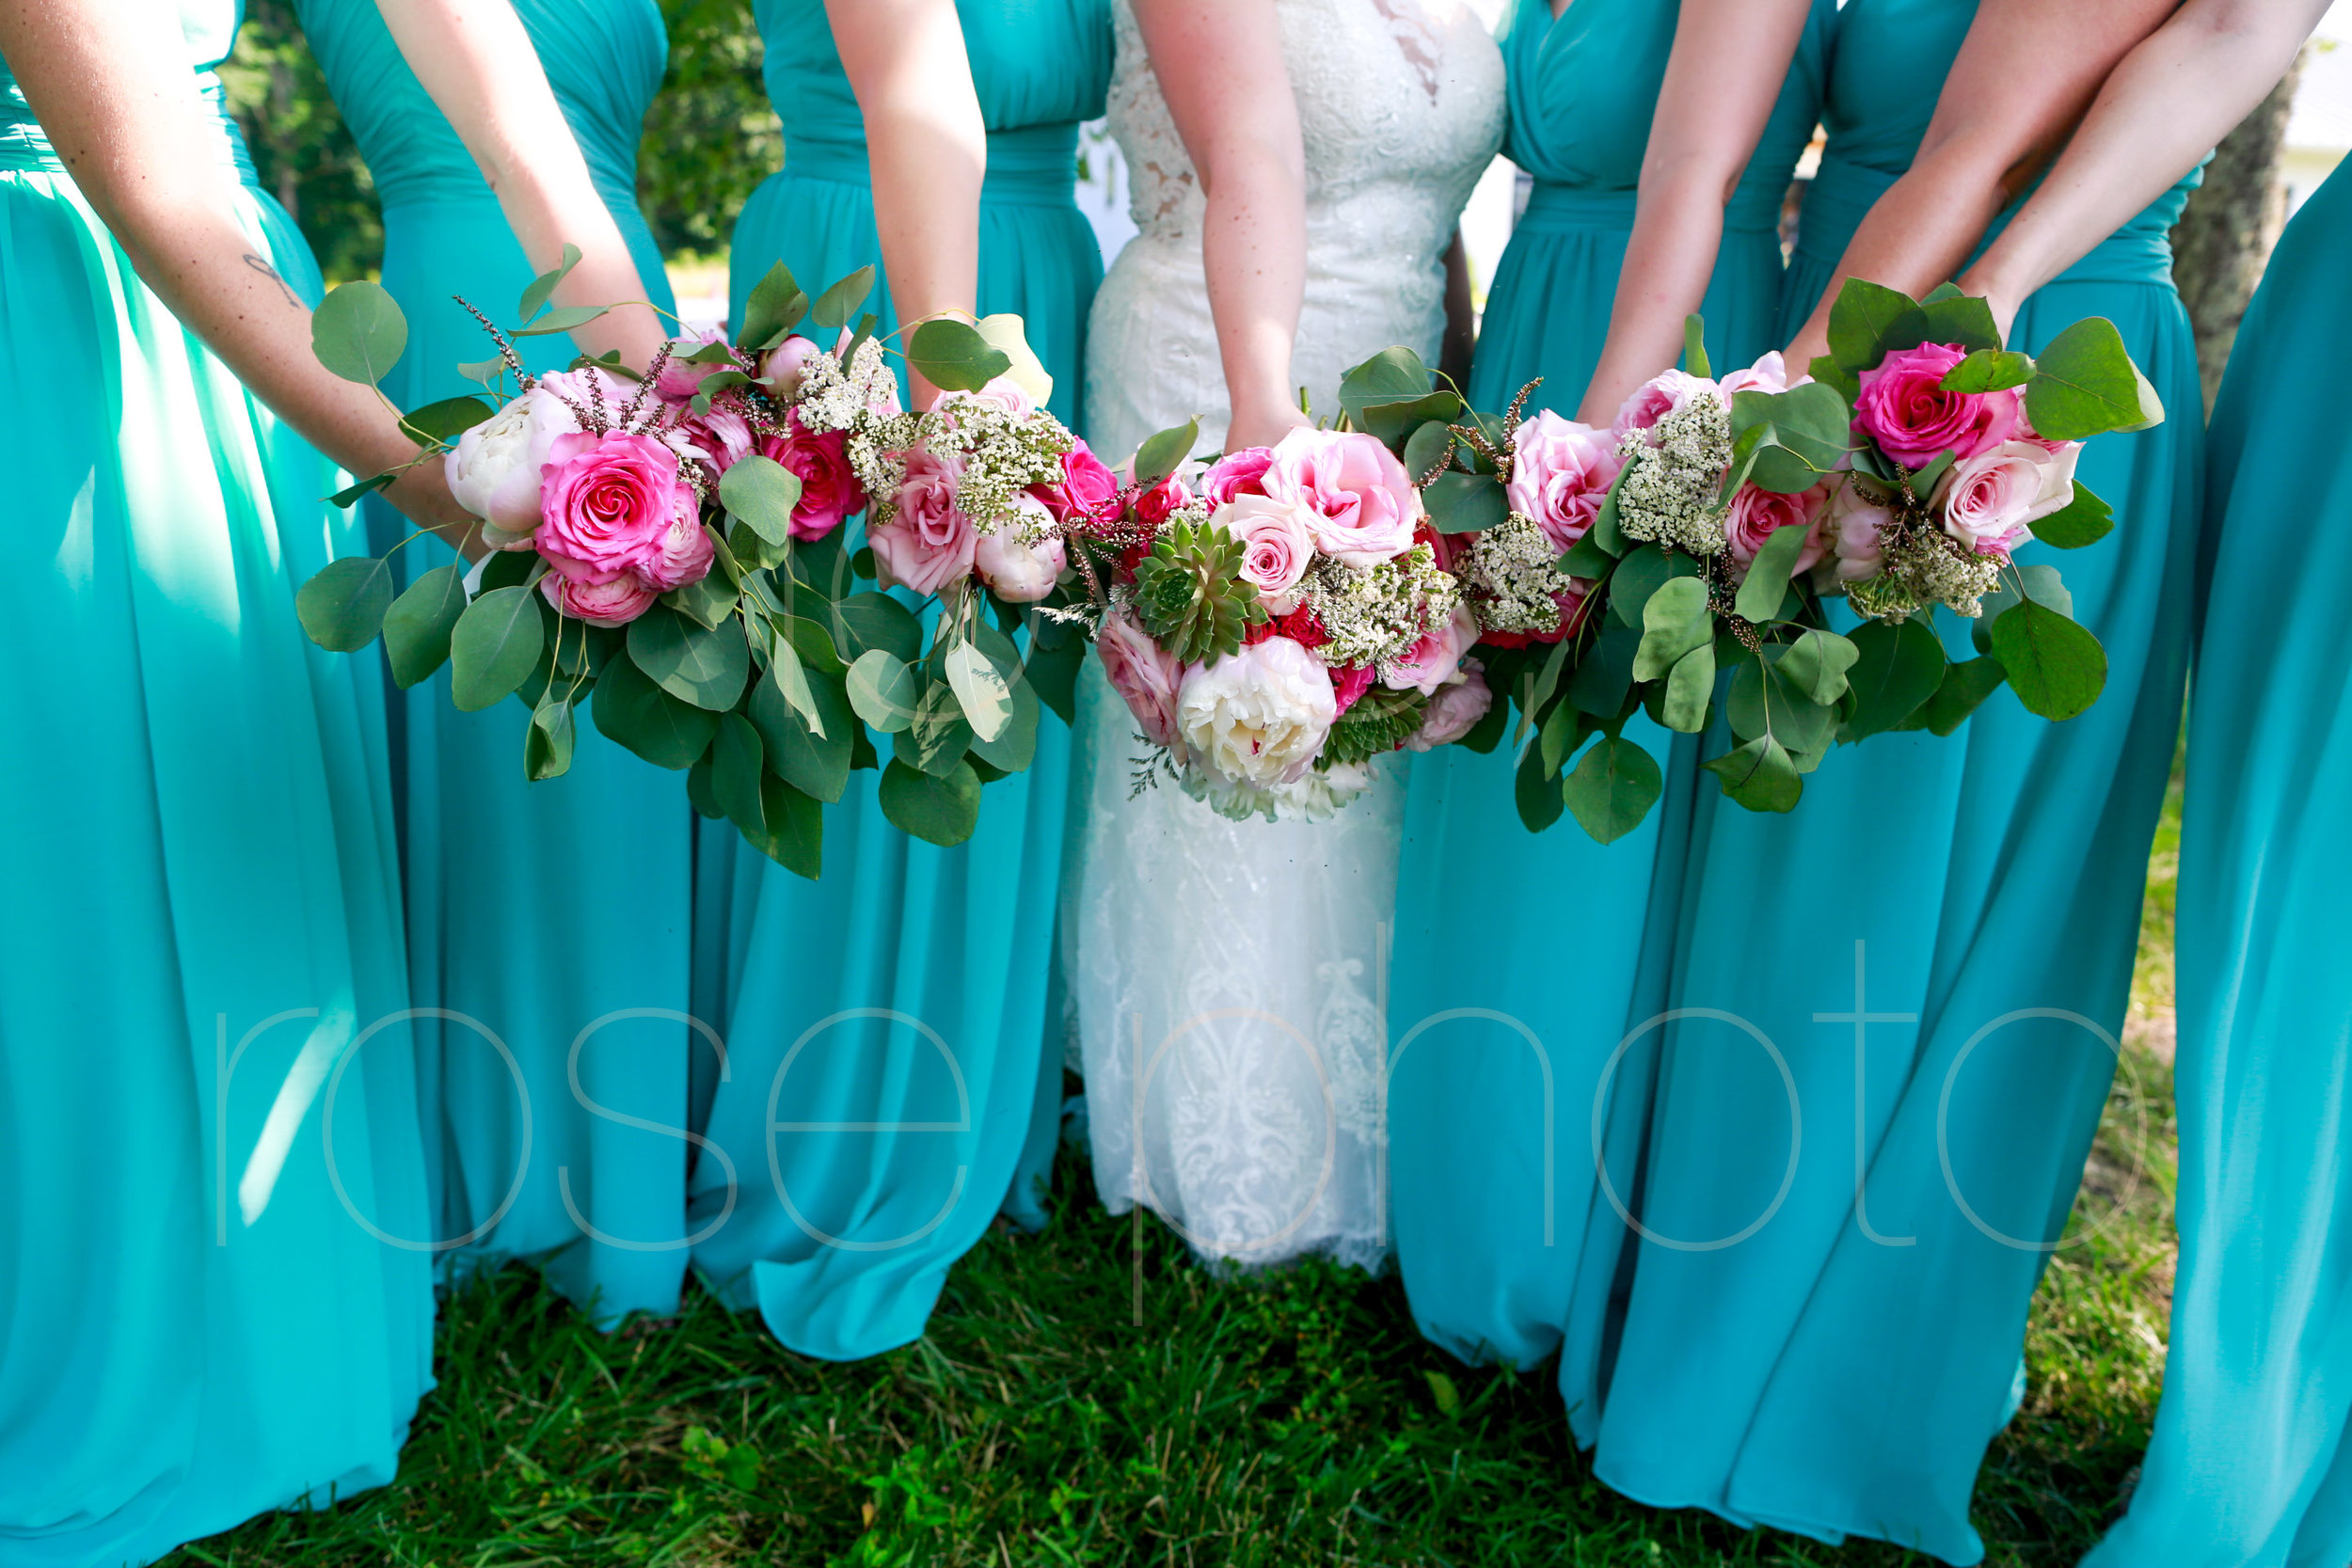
{"x": 1904, "y": 408}
{"x": 1349, "y": 682}
{"x": 1768, "y": 375}
{"x": 1020, "y": 571}
{"x": 1757, "y": 513}
{"x": 1237, "y": 473}
{"x": 1360, "y": 503}
{"x": 1277, "y": 545}
{"x": 609, "y": 502}
{"x": 600, "y": 603}
{"x": 681, "y": 377}
{"x": 829, "y": 492}
{"x": 587, "y": 389}
{"x": 1433, "y": 660}
{"x": 1088, "y": 492}
{"x": 1452, "y": 712}
{"x": 1560, "y": 474}
{"x": 1142, "y": 672}
{"x": 1990, "y": 501}
{"x": 928, "y": 542}
{"x": 1004, "y": 394}
{"x": 1153, "y": 505}
{"x": 786, "y": 366}
{"x": 1669, "y": 392}
{"x": 1856, "y": 526}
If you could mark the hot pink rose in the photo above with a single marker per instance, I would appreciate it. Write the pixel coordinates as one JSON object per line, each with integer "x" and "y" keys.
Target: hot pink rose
{"x": 1019, "y": 571}
{"x": 1856, "y": 526}
{"x": 681, "y": 377}
{"x": 1350, "y": 682}
{"x": 1277, "y": 545}
{"x": 1904, "y": 408}
{"x": 609, "y": 504}
{"x": 1669, "y": 392}
{"x": 1756, "y": 513}
{"x": 1237, "y": 473}
{"x": 1153, "y": 505}
{"x": 1990, "y": 501}
{"x": 1768, "y": 375}
{"x": 1088, "y": 492}
{"x": 1360, "y": 503}
{"x": 785, "y": 367}
{"x": 1453, "y": 711}
{"x": 1433, "y": 660}
{"x": 928, "y": 542}
{"x": 829, "y": 492}
{"x": 1560, "y": 474}
{"x": 600, "y": 603}
{"x": 1143, "y": 674}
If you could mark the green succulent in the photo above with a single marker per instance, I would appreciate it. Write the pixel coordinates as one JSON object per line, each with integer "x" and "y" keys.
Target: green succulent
{"x": 1380, "y": 720}
{"x": 1189, "y": 595}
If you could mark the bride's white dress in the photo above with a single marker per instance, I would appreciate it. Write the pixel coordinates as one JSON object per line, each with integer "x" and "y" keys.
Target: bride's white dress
{"x": 1225, "y": 980}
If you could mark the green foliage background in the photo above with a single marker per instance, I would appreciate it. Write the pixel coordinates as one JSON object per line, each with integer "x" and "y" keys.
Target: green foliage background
{"x": 710, "y": 136}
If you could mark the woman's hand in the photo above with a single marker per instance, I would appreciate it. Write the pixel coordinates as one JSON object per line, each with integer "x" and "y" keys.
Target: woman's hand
{"x": 422, "y": 496}
{"x": 1264, "y": 427}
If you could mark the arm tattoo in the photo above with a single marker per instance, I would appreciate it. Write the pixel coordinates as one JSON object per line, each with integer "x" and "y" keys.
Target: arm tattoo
{"x": 271, "y": 273}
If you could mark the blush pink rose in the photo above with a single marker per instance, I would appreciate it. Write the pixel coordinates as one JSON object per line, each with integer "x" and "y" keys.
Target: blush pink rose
{"x": 1143, "y": 674}
{"x": 681, "y": 377}
{"x": 1088, "y": 491}
{"x": 1756, "y": 513}
{"x": 928, "y": 542}
{"x": 1019, "y": 571}
{"x": 1453, "y": 711}
{"x": 1360, "y": 503}
{"x": 608, "y": 502}
{"x": 718, "y": 437}
{"x": 1237, "y": 473}
{"x": 1991, "y": 501}
{"x": 1559, "y": 473}
{"x": 600, "y": 603}
{"x": 1004, "y": 394}
{"x": 1277, "y": 545}
{"x": 1856, "y": 526}
{"x": 786, "y": 366}
{"x": 830, "y": 493}
{"x": 1904, "y": 408}
{"x": 1768, "y": 375}
{"x": 685, "y": 554}
{"x": 1436, "y": 659}
{"x": 588, "y": 387}
{"x": 1669, "y": 392}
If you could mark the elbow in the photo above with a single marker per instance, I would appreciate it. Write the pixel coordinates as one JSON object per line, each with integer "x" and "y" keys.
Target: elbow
{"x": 1690, "y": 177}
{"x": 1270, "y": 167}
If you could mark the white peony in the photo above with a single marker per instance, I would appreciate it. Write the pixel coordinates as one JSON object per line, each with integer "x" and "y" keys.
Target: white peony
{"x": 1258, "y": 716}
{"x": 494, "y": 474}
{"x": 1020, "y": 571}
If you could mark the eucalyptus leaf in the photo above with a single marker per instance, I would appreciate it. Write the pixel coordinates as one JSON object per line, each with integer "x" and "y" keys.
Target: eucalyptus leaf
{"x": 1613, "y": 788}
{"x": 952, "y": 356}
{"x": 445, "y": 420}
{"x": 1395, "y": 374}
{"x": 1690, "y": 691}
{"x": 417, "y": 628}
{"x": 562, "y": 319}
{"x": 1431, "y": 442}
{"x": 1760, "y": 776}
{"x": 776, "y": 302}
{"x": 342, "y": 606}
{"x": 2085, "y": 385}
{"x": 1393, "y": 422}
{"x": 542, "y": 288}
{"x": 1014, "y": 747}
{"x": 2084, "y": 520}
{"x": 1540, "y": 801}
{"x": 2055, "y": 666}
{"x": 1563, "y": 730}
{"x": 872, "y": 619}
{"x": 941, "y": 809}
{"x": 1693, "y": 352}
{"x": 358, "y": 332}
{"x": 1586, "y": 559}
{"x": 698, "y": 793}
{"x": 1639, "y": 575}
{"x": 1960, "y": 319}
{"x": 1605, "y": 673}
{"x": 1859, "y": 320}
{"x": 1767, "y": 582}
{"x": 939, "y": 735}
{"x": 701, "y": 665}
{"x": 980, "y": 690}
{"x": 1966, "y": 684}
{"x": 482, "y": 371}
{"x": 631, "y": 710}
{"x": 508, "y": 569}
{"x": 1008, "y": 333}
{"x": 1989, "y": 370}
{"x": 817, "y": 765}
{"x": 1897, "y": 666}
{"x": 883, "y": 688}
{"x": 1761, "y": 703}
{"x": 840, "y": 300}
{"x": 795, "y": 838}
{"x": 1466, "y": 504}
{"x": 495, "y": 646}
{"x": 736, "y": 761}
{"x": 1163, "y": 451}
{"x": 707, "y": 601}
{"x": 1675, "y": 620}
{"x": 547, "y": 741}
{"x": 784, "y": 669}
{"x": 1816, "y": 663}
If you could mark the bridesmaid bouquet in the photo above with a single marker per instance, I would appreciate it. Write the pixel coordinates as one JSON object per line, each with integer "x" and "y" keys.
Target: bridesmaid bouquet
{"x": 1611, "y": 572}
{"x": 1274, "y": 620}
{"x": 667, "y": 553}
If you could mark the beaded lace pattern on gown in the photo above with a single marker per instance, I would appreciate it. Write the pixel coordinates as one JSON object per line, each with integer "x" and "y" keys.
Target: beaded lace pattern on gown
{"x": 1225, "y": 979}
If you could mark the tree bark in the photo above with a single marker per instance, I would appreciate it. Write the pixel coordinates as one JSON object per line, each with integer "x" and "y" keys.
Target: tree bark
{"x": 2223, "y": 239}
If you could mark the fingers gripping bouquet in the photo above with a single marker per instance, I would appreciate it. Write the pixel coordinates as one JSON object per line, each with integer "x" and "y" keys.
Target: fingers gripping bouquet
{"x": 1678, "y": 562}
{"x": 1275, "y": 620}
{"x": 667, "y": 552}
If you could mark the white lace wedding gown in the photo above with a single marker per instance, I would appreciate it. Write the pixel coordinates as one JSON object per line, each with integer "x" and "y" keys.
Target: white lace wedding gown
{"x": 1225, "y": 980}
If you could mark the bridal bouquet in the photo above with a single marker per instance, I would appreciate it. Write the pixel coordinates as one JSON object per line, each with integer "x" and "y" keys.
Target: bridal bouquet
{"x": 1611, "y": 572}
{"x": 667, "y": 552}
{"x": 1274, "y": 620}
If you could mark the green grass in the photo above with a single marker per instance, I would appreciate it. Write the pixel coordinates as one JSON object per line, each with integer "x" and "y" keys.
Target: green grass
{"x": 1290, "y": 1419}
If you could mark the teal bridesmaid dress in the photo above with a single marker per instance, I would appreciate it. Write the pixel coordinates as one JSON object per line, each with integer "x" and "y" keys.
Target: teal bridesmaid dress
{"x": 888, "y": 1086}
{"x": 1497, "y": 1265}
{"x": 555, "y": 1094}
{"x": 2248, "y": 1467}
{"x": 1847, "y": 1209}
{"x": 214, "y": 1296}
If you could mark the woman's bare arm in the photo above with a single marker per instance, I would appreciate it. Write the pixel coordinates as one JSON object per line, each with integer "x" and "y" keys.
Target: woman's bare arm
{"x": 477, "y": 62}
{"x": 2162, "y": 109}
{"x": 1729, "y": 61}
{"x": 115, "y": 93}
{"x": 2023, "y": 78}
{"x": 926, "y": 146}
{"x": 1220, "y": 66}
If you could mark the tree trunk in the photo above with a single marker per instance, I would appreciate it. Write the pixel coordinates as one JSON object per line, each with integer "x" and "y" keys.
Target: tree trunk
{"x": 2224, "y": 240}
